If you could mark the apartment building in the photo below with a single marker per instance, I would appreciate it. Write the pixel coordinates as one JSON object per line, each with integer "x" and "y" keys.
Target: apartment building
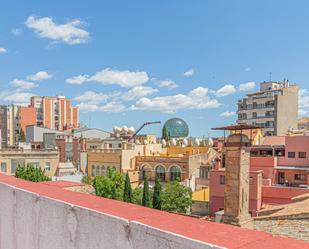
{"x": 9, "y": 125}
{"x": 274, "y": 107}
{"x": 55, "y": 112}
{"x": 47, "y": 160}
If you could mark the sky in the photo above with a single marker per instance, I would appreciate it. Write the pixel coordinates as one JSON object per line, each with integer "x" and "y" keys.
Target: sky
{"x": 128, "y": 62}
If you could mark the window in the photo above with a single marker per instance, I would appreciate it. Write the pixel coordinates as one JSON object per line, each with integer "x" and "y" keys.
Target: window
{"x": 222, "y": 179}
{"x": 291, "y": 154}
{"x": 300, "y": 177}
{"x": 69, "y": 152}
{"x": 103, "y": 170}
{"x": 302, "y": 155}
{"x": 204, "y": 173}
{"x": 146, "y": 170}
{"x": 97, "y": 171}
{"x": 175, "y": 173}
{"x": 160, "y": 173}
{"x": 3, "y": 167}
{"x": 47, "y": 166}
{"x": 92, "y": 170}
{"x": 34, "y": 164}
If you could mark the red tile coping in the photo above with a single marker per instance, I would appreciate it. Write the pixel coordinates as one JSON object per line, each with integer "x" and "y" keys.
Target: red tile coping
{"x": 63, "y": 184}
{"x": 206, "y": 231}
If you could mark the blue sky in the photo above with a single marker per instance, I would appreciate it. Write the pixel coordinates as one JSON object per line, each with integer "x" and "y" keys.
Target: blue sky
{"x": 127, "y": 62}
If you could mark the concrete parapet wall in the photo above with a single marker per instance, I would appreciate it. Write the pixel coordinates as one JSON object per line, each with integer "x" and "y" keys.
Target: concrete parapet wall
{"x": 46, "y": 216}
{"x": 31, "y": 221}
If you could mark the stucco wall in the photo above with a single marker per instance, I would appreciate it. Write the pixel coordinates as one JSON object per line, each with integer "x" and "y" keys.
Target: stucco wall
{"x": 30, "y": 221}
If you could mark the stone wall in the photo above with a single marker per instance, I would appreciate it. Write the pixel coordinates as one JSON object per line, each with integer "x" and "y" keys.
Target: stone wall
{"x": 293, "y": 228}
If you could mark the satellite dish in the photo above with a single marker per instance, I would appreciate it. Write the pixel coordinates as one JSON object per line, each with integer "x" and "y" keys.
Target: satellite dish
{"x": 174, "y": 142}
{"x": 185, "y": 142}
{"x": 163, "y": 143}
{"x": 197, "y": 142}
{"x": 210, "y": 142}
{"x": 125, "y": 128}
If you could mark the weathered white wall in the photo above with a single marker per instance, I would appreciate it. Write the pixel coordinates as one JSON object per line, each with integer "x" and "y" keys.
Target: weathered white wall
{"x": 30, "y": 221}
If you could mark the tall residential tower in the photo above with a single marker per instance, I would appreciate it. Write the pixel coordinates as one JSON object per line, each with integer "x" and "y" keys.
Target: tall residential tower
{"x": 274, "y": 107}
{"x": 55, "y": 112}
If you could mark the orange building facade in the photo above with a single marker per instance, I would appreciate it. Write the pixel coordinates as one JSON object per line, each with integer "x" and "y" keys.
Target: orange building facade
{"x": 27, "y": 116}
{"x": 55, "y": 112}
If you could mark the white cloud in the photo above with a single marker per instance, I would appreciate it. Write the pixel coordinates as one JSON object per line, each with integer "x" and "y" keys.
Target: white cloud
{"x": 189, "y": 73}
{"x": 3, "y": 50}
{"x": 170, "y": 84}
{"x": 303, "y": 98}
{"x": 77, "y": 80}
{"x": 18, "y": 98}
{"x": 122, "y": 78}
{"x": 247, "y": 86}
{"x": 196, "y": 99}
{"x": 226, "y": 90}
{"x": 112, "y": 107}
{"x": 199, "y": 92}
{"x": 227, "y": 114}
{"x": 69, "y": 33}
{"x": 91, "y": 97}
{"x": 302, "y": 112}
{"x": 22, "y": 84}
{"x": 41, "y": 75}
{"x": 138, "y": 92}
{"x": 108, "y": 76}
{"x": 86, "y": 107}
{"x": 16, "y": 32}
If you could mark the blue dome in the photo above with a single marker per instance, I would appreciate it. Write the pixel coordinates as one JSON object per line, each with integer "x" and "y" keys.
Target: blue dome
{"x": 175, "y": 128}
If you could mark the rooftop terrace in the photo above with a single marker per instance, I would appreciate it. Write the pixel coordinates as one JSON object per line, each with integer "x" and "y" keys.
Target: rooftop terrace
{"x": 40, "y": 215}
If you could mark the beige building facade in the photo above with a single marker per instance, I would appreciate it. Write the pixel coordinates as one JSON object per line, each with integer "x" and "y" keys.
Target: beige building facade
{"x": 45, "y": 159}
{"x": 122, "y": 159}
{"x": 274, "y": 108}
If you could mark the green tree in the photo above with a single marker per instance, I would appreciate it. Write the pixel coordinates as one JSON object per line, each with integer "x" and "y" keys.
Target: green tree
{"x": 31, "y": 173}
{"x": 137, "y": 196}
{"x": 176, "y": 198}
{"x": 114, "y": 192}
{"x": 156, "y": 199}
{"x": 109, "y": 186}
{"x": 127, "y": 193}
{"x": 146, "y": 193}
{"x": 165, "y": 134}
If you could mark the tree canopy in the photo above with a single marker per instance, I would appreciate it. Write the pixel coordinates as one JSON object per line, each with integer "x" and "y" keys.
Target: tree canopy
{"x": 31, "y": 173}
{"x": 127, "y": 193}
{"x": 156, "y": 199}
{"x": 176, "y": 198}
{"x": 109, "y": 186}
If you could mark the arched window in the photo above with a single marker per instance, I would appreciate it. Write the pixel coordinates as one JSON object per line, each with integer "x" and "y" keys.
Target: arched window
{"x": 146, "y": 170}
{"x": 160, "y": 173}
{"x": 175, "y": 173}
